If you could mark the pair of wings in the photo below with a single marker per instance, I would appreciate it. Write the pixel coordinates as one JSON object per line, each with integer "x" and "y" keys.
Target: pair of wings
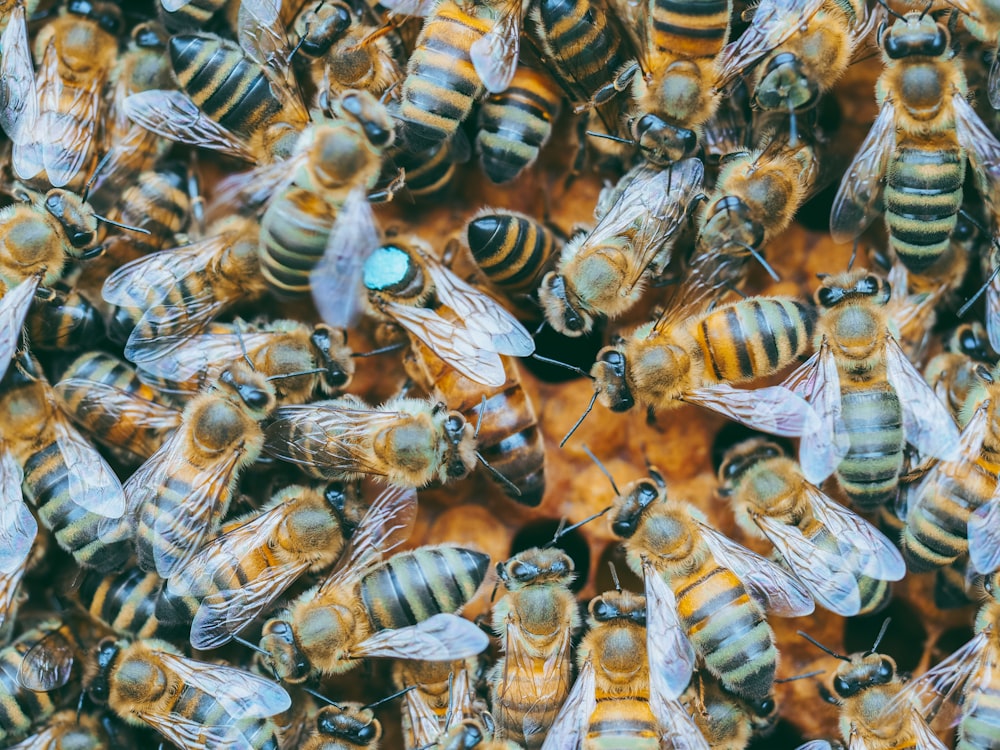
{"x": 859, "y": 199}
{"x": 229, "y": 604}
{"x": 927, "y": 425}
{"x": 831, "y": 576}
{"x": 426, "y": 725}
{"x": 473, "y": 338}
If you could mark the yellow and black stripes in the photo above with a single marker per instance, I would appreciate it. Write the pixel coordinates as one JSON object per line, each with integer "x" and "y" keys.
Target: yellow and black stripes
{"x": 691, "y": 28}
{"x": 293, "y": 235}
{"x": 511, "y": 249}
{"x": 873, "y": 422}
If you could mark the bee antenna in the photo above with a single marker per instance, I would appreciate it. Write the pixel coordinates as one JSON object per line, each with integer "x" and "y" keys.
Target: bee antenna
{"x": 388, "y": 698}
{"x": 381, "y": 350}
{"x": 820, "y": 646}
{"x": 563, "y": 530}
{"x": 979, "y": 292}
{"x": 602, "y": 467}
{"x": 314, "y": 371}
{"x": 793, "y": 126}
{"x": 854, "y": 254}
{"x": 973, "y": 220}
{"x": 479, "y": 420}
{"x": 97, "y": 172}
{"x": 879, "y": 637}
{"x": 120, "y": 225}
{"x": 564, "y": 365}
{"x": 79, "y": 705}
{"x": 448, "y": 713}
{"x": 498, "y": 476}
{"x": 252, "y": 647}
{"x": 814, "y": 673}
{"x": 590, "y": 406}
{"x": 891, "y": 12}
{"x": 614, "y": 576}
{"x": 760, "y": 259}
{"x": 926, "y": 10}
{"x": 238, "y": 327}
{"x": 319, "y": 696}
{"x": 541, "y": 326}
{"x": 610, "y": 137}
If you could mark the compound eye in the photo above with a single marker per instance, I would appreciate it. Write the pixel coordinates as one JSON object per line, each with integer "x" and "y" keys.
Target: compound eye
{"x": 454, "y": 424}
{"x": 689, "y": 139}
{"x": 885, "y": 672}
{"x": 827, "y": 297}
{"x": 368, "y": 732}
{"x": 81, "y": 239}
{"x": 765, "y": 707}
{"x": 843, "y": 688}
{"x": 869, "y": 285}
{"x": 614, "y": 358}
{"x": 603, "y": 611}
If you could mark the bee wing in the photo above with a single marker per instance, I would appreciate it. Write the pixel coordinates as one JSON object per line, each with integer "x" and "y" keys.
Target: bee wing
{"x": 118, "y": 404}
{"x": 993, "y": 82}
{"x": 173, "y": 115}
{"x": 18, "y": 96}
{"x": 47, "y": 665}
{"x": 984, "y": 535}
{"x": 225, "y": 613}
{"x": 419, "y": 8}
{"x": 815, "y": 745}
{"x": 775, "y": 409}
{"x": 480, "y": 312}
{"x": 386, "y": 525}
{"x": 188, "y": 734}
{"x": 425, "y": 725}
{"x": 859, "y": 199}
{"x": 671, "y": 656}
{"x": 335, "y": 282}
{"x": 494, "y": 55}
{"x": 92, "y": 484}
{"x": 467, "y": 351}
{"x": 926, "y": 422}
{"x": 774, "y": 22}
{"x": 442, "y": 637}
{"x": 174, "y": 324}
{"x": 831, "y": 583}
{"x": 982, "y": 146}
{"x": 204, "y": 354}
{"x": 570, "y": 727}
{"x": 864, "y": 548}
{"x": 43, "y": 740}
{"x": 144, "y": 282}
{"x": 822, "y": 447}
{"x": 675, "y": 723}
{"x": 242, "y": 694}
{"x": 14, "y": 307}
{"x": 924, "y": 735}
{"x": 262, "y": 37}
{"x": 778, "y": 590}
{"x": 17, "y": 526}
{"x": 121, "y": 161}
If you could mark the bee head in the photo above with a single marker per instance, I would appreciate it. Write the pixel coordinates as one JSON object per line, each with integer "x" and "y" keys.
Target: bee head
{"x": 108, "y": 651}
{"x": 741, "y": 457}
{"x": 971, "y": 340}
{"x": 863, "y": 671}
{"x": 465, "y": 736}
{"x": 285, "y": 657}
{"x": 331, "y": 346}
{"x": 561, "y": 312}
{"x": 249, "y": 386}
{"x": 854, "y": 285}
{"x": 320, "y": 27}
{"x": 618, "y": 605}
{"x": 149, "y": 35}
{"x": 371, "y": 115}
{"x": 106, "y": 15}
{"x": 785, "y": 85}
{"x": 660, "y": 141}
{"x": 77, "y": 219}
{"x": 337, "y": 495}
{"x": 459, "y": 456}
{"x": 610, "y": 379}
{"x": 630, "y": 506}
{"x": 915, "y": 34}
{"x": 357, "y": 726}
{"x": 534, "y": 566}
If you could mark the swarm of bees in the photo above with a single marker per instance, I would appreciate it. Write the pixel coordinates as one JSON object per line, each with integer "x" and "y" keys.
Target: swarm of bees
{"x": 327, "y": 326}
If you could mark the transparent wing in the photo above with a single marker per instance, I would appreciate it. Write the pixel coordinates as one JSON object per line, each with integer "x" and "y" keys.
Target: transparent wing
{"x": 47, "y": 665}
{"x": 242, "y": 694}
{"x": 815, "y": 745}
{"x": 494, "y": 55}
{"x": 775, "y": 409}
{"x": 419, "y": 8}
{"x": 993, "y": 81}
{"x": 982, "y": 146}
{"x": 193, "y": 735}
{"x": 570, "y": 727}
{"x": 204, "y": 355}
{"x": 671, "y": 655}
{"x": 923, "y": 734}
{"x": 145, "y": 282}
{"x": 69, "y": 121}
{"x": 117, "y": 404}
{"x": 865, "y": 549}
{"x": 142, "y": 485}
{"x": 335, "y": 282}
{"x": 927, "y": 424}
{"x": 17, "y": 526}
{"x": 173, "y": 115}
{"x": 172, "y": 6}
{"x": 43, "y": 740}
{"x": 675, "y": 723}
{"x": 828, "y": 580}
{"x": 425, "y": 725}
{"x": 92, "y": 484}
{"x": 442, "y": 637}
{"x": 859, "y": 199}
{"x": 262, "y": 37}
{"x": 18, "y": 97}
{"x": 14, "y": 307}
{"x": 777, "y": 589}
{"x": 984, "y": 535}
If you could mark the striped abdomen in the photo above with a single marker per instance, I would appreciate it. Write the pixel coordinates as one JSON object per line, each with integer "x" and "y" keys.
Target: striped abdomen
{"x": 20, "y": 708}
{"x": 727, "y": 628}
{"x": 126, "y": 602}
{"x": 622, "y": 722}
{"x": 936, "y": 531}
{"x": 415, "y": 585}
{"x": 691, "y": 28}
{"x": 428, "y": 173}
{"x": 293, "y": 234}
{"x": 873, "y": 421}
{"x": 752, "y": 338}
{"x": 226, "y": 85}
{"x": 980, "y": 724}
{"x": 67, "y": 321}
{"x": 874, "y": 593}
{"x": 515, "y": 124}
{"x": 512, "y": 249}
{"x": 158, "y": 202}
{"x": 923, "y": 194}
{"x": 441, "y": 85}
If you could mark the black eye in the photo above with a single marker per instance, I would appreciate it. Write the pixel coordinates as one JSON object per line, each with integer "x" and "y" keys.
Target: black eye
{"x": 254, "y": 398}
{"x": 624, "y": 527}
{"x": 765, "y": 707}
{"x": 351, "y": 104}
{"x": 614, "y": 358}
{"x": 603, "y": 611}
{"x": 869, "y": 285}
{"x": 843, "y": 688}
{"x": 828, "y": 297}
{"x": 368, "y": 732}
{"x": 885, "y": 672}
{"x": 689, "y": 139}
{"x": 454, "y": 424}
{"x": 81, "y": 239}
{"x": 376, "y": 134}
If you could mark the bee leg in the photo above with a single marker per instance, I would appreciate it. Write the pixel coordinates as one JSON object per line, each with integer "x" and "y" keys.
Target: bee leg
{"x": 608, "y": 91}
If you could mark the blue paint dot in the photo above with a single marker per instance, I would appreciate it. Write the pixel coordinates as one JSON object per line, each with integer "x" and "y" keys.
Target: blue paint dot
{"x": 385, "y": 267}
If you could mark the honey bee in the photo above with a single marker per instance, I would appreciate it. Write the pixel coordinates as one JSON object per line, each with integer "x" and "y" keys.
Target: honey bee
{"x": 177, "y": 497}
{"x": 398, "y": 608}
{"x": 441, "y": 696}
{"x": 842, "y": 560}
{"x": 63, "y": 320}
{"x": 875, "y": 710}
{"x": 56, "y": 118}
{"x": 982, "y": 21}
{"x": 515, "y": 124}
{"x": 953, "y": 373}
{"x": 603, "y": 273}
{"x": 869, "y": 399}
{"x": 429, "y": 174}
{"x": 71, "y": 486}
{"x": 193, "y": 704}
{"x": 156, "y": 201}
{"x": 924, "y": 123}
{"x": 105, "y": 397}
{"x": 65, "y": 729}
{"x": 725, "y": 721}
{"x": 343, "y": 727}
{"x": 535, "y": 619}
{"x": 173, "y": 294}
{"x": 462, "y": 325}
{"x": 132, "y": 603}
{"x": 619, "y": 698}
{"x": 471, "y": 733}
{"x": 407, "y": 442}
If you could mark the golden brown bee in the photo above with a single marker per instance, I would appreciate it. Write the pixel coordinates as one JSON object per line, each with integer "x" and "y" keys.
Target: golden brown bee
{"x": 63, "y": 320}
{"x": 953, "y": 373}
{"x": 870, "y": 400}
{"x": 725, "y": 721}
{"x": 65, "y": 730}
{"x": 603, "y": 273}
{"x": 73, "y": 489}
{"x": 343, "y": 727}
{"x": 192, "y": 703}
{"x": 535, "y": 619}
{"x": 442, "y": 696}
{"x": 407, "y": 442}
{"x": 842, "y": 560}
{"x": 982, "y": 21}
{"x": 158, "y": 202}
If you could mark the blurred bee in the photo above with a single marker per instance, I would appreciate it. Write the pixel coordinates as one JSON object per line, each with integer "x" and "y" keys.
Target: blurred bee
{"x": 441, "y": 696}
{"x": 242, "y": 572}
{"x": 461, "y": 324}
{"x": 65, "y": 730}
{"x": 473, "y": 734}
{"x": 178, "y": 496}
{"x": 105, "y": 397}
{"x": 515, "y": 124}
{"x": 193, "y": 704}
{"x": 429, "y": 174}
{"x": 982, "y": 21}
{"x": 63, "y": 320}
{"x": 18, "y": 525}
{"x": 55, "y": 119}
{"x": 925, "y": 123}
{"x": 171, "y": 295}
{"x": 869, "y": 399}
{"x": 366, "y": 609}
{"x": 407, "y": 442}
{"x": 535, "y": 620}
{"x": 157, "y": 201}
{"x": 182, "y": 15}
{"x": 342, "y": 727}
{"x": 73, "y": 489}
{"x": 131, "y": 603}
{"x": 725, "y": 721}
{"x": 842, "y": 560}
{"x": 710, "y": 592}
{"x": 875, "y": 710}
{"x": 619, "y": 698}
{"x": 953, "y": 373}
